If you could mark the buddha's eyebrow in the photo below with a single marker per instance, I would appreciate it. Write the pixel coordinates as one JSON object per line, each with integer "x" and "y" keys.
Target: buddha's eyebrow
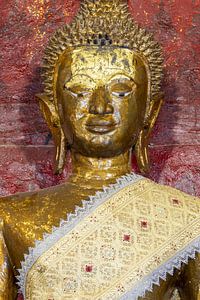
{"x": 71, "y": 81}
{"x": 120, "y": 76}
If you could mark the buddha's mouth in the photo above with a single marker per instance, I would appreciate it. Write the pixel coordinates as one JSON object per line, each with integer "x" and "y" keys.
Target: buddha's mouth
{"x": 101, "y": 126}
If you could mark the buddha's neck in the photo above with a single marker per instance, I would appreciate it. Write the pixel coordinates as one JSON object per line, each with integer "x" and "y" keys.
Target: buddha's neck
{"x": 99, "y": 171}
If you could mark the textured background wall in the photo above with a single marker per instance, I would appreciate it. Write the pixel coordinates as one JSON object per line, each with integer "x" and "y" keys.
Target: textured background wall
{"x": 26, "y": 150}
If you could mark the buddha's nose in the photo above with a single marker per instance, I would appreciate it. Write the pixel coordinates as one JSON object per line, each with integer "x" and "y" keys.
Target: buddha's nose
{"x": 100, "y": 103}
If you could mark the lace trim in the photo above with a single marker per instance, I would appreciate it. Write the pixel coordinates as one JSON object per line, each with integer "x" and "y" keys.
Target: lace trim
{"x": 168, "y": 267}
{"x": 49, "y": 239}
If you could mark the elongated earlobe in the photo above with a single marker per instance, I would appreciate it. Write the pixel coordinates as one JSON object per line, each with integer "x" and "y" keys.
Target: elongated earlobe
{"x": 141, "y": 153}
{"x": 52, "y": 118}
{"x": 60, "y": 156}
{"x": 141, "y": 147}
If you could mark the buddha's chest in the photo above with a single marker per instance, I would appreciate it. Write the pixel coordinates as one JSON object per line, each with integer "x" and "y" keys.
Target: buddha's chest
{"x": 102, "y": 252}
{"x": 114, "y": 241}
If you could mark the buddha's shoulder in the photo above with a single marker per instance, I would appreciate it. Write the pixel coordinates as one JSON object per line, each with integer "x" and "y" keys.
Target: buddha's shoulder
{"x": 32, "y": 200}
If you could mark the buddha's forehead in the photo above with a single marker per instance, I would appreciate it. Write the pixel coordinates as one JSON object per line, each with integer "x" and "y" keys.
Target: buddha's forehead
{"x": 101, "y": 64}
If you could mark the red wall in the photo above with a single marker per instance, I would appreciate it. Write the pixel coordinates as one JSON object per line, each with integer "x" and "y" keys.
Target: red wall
{"x": 26, "y": 153}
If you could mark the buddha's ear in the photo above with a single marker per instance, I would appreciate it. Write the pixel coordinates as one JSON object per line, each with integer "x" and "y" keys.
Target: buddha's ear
{"x": 141, "y": 147}
{"x": 53, "y": 121}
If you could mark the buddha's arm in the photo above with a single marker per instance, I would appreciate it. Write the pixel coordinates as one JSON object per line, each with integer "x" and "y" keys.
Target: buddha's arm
{"x": 7, "y": 287}
{"x": 191, "y": 280}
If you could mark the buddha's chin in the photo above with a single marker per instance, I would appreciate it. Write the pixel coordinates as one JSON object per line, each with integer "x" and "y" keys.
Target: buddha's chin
{"x": 104, "y": 146}
{"x": 100, "y": 140}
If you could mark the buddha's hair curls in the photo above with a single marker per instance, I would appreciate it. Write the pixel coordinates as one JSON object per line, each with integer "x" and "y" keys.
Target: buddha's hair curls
{"x": 103, "y": 23}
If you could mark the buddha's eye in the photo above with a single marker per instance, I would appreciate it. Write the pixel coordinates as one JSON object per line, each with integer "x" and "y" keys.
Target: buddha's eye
{"x": 121, "y": 88}
{"x": 78, "y": 91}
{"x": 80, "y": 94}
{"x": 121, "y": 94}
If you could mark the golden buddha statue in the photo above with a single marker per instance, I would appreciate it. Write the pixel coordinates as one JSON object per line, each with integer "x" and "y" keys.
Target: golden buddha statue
{"x": 106, "y": 233}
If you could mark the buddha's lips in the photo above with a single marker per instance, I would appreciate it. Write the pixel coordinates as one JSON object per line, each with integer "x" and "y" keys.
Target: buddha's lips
{"x": 101, "y": 126}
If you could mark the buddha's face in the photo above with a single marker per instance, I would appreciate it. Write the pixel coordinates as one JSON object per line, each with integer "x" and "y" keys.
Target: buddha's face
{"x": 101, "y": 96}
